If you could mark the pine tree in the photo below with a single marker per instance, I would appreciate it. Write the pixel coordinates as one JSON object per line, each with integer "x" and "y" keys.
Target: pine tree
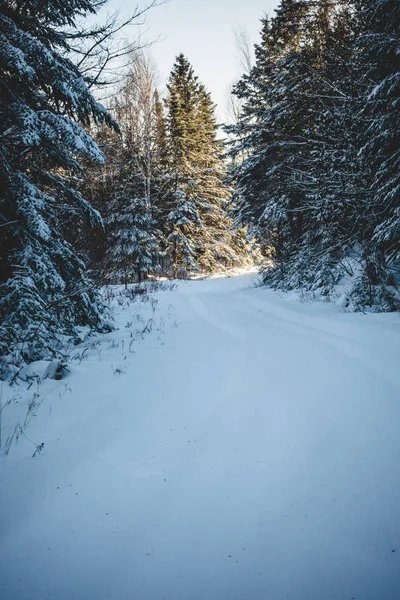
{"x": 379, "y": 54}
{"x": 136, "y": 238}
{"x": 44, "y": 106}
{"x": 271, "y": 135}
{"x": 133, "y": 241}
{"x": 315, "y": 159}
{"x": 127, "y": 188}
{"x": 184, "y": 199}
{"x": 327, "y": 174}
{"x": 197, "y": 173}
{"x": 184, "y": 225}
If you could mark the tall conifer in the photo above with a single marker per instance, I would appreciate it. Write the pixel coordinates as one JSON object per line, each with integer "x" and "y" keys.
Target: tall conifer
{"x": 197, "y": 173}
{"x": 44, "y": 106}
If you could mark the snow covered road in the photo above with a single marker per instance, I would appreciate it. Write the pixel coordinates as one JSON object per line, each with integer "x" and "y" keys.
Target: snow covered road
{"x": 252, "y": 451}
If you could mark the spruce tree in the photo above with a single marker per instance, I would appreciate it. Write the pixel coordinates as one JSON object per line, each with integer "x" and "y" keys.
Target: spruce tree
{"x": 379, "y": 54}
{"x": 184, "y": 225}
{"x": 126, "y": 188}
{"x": 328, "y": 174}
{"x": 315, "y": 159}
{"x": 133, "y": 244}
{"x": 135, "y": 237}
{"x": 44, "y": 107}
{"x": 271, "y": 135}
{"x": 197, "y": 174}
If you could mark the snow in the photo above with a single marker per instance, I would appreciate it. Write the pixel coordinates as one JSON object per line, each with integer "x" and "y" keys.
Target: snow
{"x": 247, "y": 447}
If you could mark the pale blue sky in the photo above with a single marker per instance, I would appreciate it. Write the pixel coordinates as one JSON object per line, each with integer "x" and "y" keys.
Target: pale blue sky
{"x": 203, "y": 31}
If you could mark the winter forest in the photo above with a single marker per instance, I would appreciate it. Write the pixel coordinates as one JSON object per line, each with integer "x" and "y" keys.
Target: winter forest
{"x": 216, "y": 298}
{"x": 304, "y": 182}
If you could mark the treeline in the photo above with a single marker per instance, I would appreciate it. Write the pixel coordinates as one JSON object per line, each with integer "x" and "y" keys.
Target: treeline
{"x": 92, "y": 195}
{"x": 316, "y": 151}
{"x": 155, "y": 203}
{"x": 163, "y": 191}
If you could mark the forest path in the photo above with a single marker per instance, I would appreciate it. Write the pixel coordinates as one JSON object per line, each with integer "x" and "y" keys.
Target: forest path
{"x": 250, "y": 452}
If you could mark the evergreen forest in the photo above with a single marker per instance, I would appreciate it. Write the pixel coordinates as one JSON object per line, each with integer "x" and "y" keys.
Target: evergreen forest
{"x": 304, "y": 181}
{"x": 199, "y": 300}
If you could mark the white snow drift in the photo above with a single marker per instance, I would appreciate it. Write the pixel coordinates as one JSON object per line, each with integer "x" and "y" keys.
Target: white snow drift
{"x": 247, "y": 447}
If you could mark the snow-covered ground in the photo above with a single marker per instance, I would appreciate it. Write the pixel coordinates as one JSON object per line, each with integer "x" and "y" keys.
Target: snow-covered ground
{"x": 247, "y": 447}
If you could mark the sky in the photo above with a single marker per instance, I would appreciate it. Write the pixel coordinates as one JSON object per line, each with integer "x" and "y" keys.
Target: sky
{"x": 204, "y": 31}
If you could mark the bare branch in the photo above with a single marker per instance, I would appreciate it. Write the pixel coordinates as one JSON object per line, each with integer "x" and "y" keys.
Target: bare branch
{"x": 97, "y": 51}
{"x": 244, "y": 50}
